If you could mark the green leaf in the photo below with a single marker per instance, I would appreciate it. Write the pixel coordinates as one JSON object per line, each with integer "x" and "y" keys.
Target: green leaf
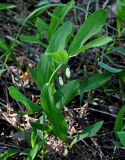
{"x": 119, "y": 22}
{"x": 5, "y": 6}
{"x": 109, "y": 68}
{"x": 9, "y": 153}
{"x": 19, "y": 97}
{"x": 95, "y": 43}
{"x": 120, "y": 3}
{"x": 91, "y": 26}
{"x": 33, "y": 152}
{"x": 45, "y": 69}
{"x": 121, "y": 76}
{"x": 95, "y": 81}
{"x": 2, "y": 71}
{"x": 88, "y": 132}
{"x": 3, "y": 45}
{"x": 38, "y": 126}
{"x": 41, "y": 25}
{"x": 121, "y": 136}
{"x": 119, "y": 120}
{"x": 65, "y": 94}
{"x": 29, "y": 39}
{"x": 33, "y": 137}
{"x": 58, "y": 15}
{"x": 58, "y": 41}
{"x": 120, "y": 15}
{"x": 54, "y": 115}
{"x": 60, "y": 57}
{"x": 33, "y": 72}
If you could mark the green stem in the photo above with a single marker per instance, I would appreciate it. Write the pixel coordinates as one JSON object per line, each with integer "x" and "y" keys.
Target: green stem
{"x": 44, "y": 118}
{"x": 54, "y": 73}
{"x": 12, "y": 46}
{"x": 74, "y": 10}
{"x": 87, "y": 9}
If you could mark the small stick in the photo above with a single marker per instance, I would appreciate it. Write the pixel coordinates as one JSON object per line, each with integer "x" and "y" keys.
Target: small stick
{"x": 105, "y": 4}
{"x": 103, "y": 112}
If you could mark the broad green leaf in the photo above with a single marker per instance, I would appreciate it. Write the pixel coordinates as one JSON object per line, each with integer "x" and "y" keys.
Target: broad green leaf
{"x": 45, "y": 69}
{"x": 19, "y": 97}
{"x": 91, "y": 26}
{"x": 109, "y": 68}
{"x": 88, "y": 132}
{"x": 29, "y": 39}
{"x": 65, "y": 94}
{"x": 33, "y": 152}
{"x": 121, "y": 76}
{"x": 119, "y": 22}
{"x": 119, "y": 120}
{"x": 120, "y": 3}
{"x": 54, "y": 115}
{"x": 9, "y": 153}
{"x": 2, "y": 71}
{"x": 33, "y": 72}
{"x": 41, "y": 127}
{"x": 38, "y": 126}
{"x": 95, "y": 81}
{"x": 120, "y": 15}
{"x": 3, "y": 45}
{"x": 121, "y": 136}
{"x": 58, "y": 41}
{"x": 60, "y": 57}
{"x": 42, "y": 118}
{"x": 5, "y": 6}
{"x": 95, "y": 43}
{"x": 58, "y": 15}
{"x": 41, "y": 25}
{"x": 33, "y": 137}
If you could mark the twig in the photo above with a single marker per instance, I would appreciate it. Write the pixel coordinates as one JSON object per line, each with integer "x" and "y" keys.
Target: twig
{"x": 97, "y": 5}
{"x": 101, "y": 154}
{"x": 105, "y": 4}
{"x": 103, "y": 112}
{"x": 6, "y": 118}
